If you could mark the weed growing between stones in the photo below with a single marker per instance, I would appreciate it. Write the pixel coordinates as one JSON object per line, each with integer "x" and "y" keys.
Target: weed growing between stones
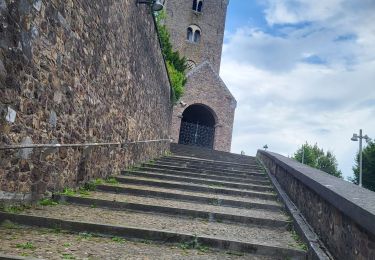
{"x": 9, "y": 225}
{"x": 134, "y": 168}
{"x": 168, "y": 153}
{"x": 67, "y": 256}
{"x": 68, "y": 192}
{"x": 15, "y": 209}
{"x": 234, "y": 253}
{"x": 27, "y": 245}
{"x": 300, "y": 243}
{"x": 194, "y": 244}
{"x": 152, "y": 162}
{"x": 111, "y": 180}
{"x": 118, "y": 240}
{"x": 47, "y": 202}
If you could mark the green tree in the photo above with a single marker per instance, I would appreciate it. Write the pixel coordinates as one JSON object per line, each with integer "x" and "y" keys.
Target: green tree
{"x": 176, "y": 65}
{"x": 316, "y": 158}
{"x": 368, "y": 167}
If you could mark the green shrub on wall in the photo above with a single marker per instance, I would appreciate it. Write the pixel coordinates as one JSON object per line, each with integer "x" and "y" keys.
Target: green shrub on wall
{"x": 176, "y": 65}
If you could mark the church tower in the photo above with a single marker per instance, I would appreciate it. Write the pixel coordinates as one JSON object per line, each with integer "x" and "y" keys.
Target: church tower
{"x": 205, "y": 113}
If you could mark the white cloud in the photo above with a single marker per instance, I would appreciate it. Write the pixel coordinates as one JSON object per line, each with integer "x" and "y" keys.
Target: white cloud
{"x": 284, "y": 101}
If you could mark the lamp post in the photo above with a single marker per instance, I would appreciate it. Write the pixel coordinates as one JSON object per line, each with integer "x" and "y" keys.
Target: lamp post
{"x": 359, "y": 138}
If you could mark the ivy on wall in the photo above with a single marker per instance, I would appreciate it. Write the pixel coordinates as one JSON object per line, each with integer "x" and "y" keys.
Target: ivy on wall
{"x": 176, "y": 65}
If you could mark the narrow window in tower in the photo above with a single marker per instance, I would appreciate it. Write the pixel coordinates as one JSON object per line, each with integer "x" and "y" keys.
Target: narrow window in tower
{"x": 200, "y": 5}
{"x": 197, "y": 36}
{"x": 195, "y": 5}
{"x": 189, "y": 35}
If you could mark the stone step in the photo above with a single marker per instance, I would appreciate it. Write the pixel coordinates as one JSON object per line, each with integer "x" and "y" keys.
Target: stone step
{"x": 259, "y": 175}
{"x": 190, "y": 151}
{"x": 191, "y": 196}
{"x": 181, "y": 209}
{"x": 209, "y": 182}
{"x": 248, "y": 179}
{"x": 53, "y": 245}
{"x": 194, "y": 187}
{"x": 250, "y": 161}
{"x": 213, "y": 165}
{"x": 208, "y": 165}
{"x": 134, "y": 225}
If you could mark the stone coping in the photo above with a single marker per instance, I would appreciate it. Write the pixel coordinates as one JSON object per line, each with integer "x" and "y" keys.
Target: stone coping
{"x": 355, "y": 202}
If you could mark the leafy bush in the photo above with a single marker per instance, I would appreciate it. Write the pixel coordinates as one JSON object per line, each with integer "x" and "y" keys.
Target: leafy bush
{"x": 176, "y": 65}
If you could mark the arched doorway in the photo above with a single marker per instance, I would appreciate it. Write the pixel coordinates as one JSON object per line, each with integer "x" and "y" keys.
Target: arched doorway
{"x": 197, "y": 126}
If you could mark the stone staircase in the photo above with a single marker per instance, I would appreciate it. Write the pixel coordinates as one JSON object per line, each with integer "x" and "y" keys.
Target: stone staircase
{"x": 224, "y": 208}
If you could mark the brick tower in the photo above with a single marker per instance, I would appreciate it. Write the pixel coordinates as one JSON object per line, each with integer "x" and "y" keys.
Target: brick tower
{"x": 204, "y": 116}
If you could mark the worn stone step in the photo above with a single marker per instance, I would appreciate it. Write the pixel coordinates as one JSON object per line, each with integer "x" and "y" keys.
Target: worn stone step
{"x": 209, "y": 166}
{"x": 182, "y": 195}
{"x": 151, "y": 226}
{"x": 254, "y": 175}
{"x": 214, "y": 160}
{"x": 209, "y": 154}
{"x": 225, "y": 184}
{"x": 248, "y": 179}
{"x": 194, "y": 187}
{"x": 111, "y": 223}
{"x": 56, "y": 246}
{"x": 180, "y": 209}
{"x": 53, "y": 245}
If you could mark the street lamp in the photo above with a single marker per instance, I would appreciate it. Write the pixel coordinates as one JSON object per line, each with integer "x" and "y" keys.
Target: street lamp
{"x": 359, "y": 138}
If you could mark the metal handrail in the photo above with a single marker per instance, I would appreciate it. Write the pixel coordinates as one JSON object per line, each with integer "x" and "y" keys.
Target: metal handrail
{"x": 120, "y": 144}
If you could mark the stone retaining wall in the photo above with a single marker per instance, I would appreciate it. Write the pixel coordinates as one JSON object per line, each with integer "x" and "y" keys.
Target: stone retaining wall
{"x": 342, "y": 214}
{"x": 78, "y": 71}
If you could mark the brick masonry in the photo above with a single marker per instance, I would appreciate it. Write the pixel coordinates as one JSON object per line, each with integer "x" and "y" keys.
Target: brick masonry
{"x": 341, "y": 214}
{"x": 211, "y": 21}
{"x": 78, "y": 71}
{"x": 204, "y": 85}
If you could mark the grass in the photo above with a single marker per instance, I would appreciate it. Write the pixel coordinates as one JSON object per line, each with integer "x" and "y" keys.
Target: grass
{"x": 111, "y": 180}
{"x": 194, "y": 244}
{"x": 15, "y": 209}
{"x": 67, "y": 256}
{"x": 27, "y": 245}
{"x": 85, "y": 235}
{"x": 67, "y": 244}
{"x": 47, "y": 202}
{"x": 300, "y": 243}
{"x": 118, "y": 240}
{"x": 68, "y": 192}
{"x": 9, "y": 225}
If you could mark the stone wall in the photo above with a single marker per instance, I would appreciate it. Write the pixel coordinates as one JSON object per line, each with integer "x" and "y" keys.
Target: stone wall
{"x": 342, "y": 214}
{"x": 78, "y": 71}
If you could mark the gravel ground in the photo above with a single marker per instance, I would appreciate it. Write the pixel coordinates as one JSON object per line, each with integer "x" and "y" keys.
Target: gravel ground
{"x": 200, "y": 194}
{"x": 189, "y": 205}
{"x": 47, "y": 244}
{"x": 252, "y": 234}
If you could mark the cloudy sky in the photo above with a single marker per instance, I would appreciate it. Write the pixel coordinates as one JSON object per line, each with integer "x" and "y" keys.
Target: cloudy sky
{"x": 301, "y": 70}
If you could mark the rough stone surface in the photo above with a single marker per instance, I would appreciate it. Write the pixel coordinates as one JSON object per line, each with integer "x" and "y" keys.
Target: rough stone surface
{"x": 344, "y": 237}
{"x": 50, "y": 244}
{"x": 79, "y": 71}
{"x": 204, "y": 86}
